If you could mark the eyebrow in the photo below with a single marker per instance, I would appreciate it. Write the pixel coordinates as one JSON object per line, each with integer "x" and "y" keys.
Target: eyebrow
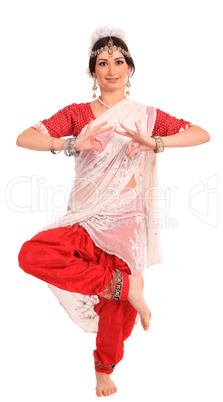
{"x": 117, "y": 58}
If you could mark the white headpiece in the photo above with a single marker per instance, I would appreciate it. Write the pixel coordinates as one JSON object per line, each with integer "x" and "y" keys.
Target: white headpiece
{"x": 104, "y": 31}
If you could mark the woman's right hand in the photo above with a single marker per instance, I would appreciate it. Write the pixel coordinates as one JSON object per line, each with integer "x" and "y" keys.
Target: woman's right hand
{"x": 83, "y": 142}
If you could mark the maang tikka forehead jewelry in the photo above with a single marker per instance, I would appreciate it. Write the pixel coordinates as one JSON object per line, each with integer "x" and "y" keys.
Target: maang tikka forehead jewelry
{"x": 110, "y": 48}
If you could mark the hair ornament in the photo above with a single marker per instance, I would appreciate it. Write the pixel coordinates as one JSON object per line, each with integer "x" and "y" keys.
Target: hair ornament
{"x": 103, "y": 32}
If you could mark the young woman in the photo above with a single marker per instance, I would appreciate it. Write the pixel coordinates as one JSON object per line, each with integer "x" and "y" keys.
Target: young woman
{"x": 93, "y": 258}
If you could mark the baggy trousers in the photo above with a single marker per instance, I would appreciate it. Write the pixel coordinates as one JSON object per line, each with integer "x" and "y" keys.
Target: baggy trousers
{"x": 67, "y": 257}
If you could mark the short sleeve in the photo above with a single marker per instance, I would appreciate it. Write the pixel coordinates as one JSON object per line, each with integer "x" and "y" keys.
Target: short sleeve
{"x": 166, "y": 124}
{"x": 67, "y": 121}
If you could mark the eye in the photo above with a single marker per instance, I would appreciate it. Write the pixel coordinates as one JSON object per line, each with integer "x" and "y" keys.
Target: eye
{"x": 119, "y": 62}
{"x": 102, "y": 63}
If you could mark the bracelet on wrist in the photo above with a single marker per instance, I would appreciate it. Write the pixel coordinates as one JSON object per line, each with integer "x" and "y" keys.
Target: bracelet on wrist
{"x": 69, "y": 147}
{"x": 51, "y": 147}
{"x": 159, "y": 144}
{"x": 72, "y": 147}
{"x": 66, "y": 151}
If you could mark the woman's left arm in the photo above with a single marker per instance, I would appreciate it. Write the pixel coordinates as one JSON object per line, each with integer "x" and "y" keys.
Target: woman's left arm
{"x": 194, "y": 135}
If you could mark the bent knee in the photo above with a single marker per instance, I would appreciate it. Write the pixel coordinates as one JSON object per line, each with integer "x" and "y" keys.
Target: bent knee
{"x": 25, "y": 256}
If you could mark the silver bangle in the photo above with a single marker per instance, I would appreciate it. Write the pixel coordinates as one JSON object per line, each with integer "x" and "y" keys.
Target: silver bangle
{"x": 72, "y": 147}
{"x": 51, "y": 147}
{"x": 70, "y": 151}
{"x": 66, "y": 151}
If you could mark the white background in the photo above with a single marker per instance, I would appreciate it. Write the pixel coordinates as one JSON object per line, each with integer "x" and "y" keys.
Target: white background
{"x": 177, "y": 48}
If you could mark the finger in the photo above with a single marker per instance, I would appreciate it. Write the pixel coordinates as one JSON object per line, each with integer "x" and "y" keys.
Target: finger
{"x": 90, "y": 124}
{"x": 96, "y": 148}
{"x": 138, "y": 127}
{"x": 127, "y": 129}
{"x": 102, "y": 130}
{"x": 99, "y": 140}
{"x": 134, "y": 151}
{"x": 123, "y": 133}
{"x": 130, "y": 145}
{"x": 100, "y": 125}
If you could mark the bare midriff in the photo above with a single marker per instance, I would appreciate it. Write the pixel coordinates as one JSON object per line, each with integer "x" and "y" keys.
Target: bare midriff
{"x": 131, "y": 184}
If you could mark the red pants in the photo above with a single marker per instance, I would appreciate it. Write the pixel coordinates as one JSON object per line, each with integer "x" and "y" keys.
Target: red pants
{"x": 67, "y": 257}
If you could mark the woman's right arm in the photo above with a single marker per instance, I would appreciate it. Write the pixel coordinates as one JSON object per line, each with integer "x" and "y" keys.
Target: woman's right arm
{"x": 39, "y": 136}
{"x": 37, "y": 141}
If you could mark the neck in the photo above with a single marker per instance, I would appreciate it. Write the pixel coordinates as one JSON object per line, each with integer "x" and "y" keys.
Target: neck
{"x": 111, "y": 98}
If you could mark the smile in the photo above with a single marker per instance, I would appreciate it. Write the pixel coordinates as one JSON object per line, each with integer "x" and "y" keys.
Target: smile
{"x": 112, "y": 79}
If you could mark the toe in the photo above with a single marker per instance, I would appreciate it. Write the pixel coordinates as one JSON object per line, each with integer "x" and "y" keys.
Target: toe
{"x": 99, "y": 392}
{"x": 105, "y": 392}
{"x": 114, "y": 390}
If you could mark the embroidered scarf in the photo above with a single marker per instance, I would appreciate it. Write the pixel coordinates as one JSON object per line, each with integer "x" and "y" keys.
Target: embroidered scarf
{"x": 97, "y": 191}
{"x": 100, "y": 177}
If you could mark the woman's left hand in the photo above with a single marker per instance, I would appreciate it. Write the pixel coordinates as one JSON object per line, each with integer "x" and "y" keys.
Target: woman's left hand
{"x": 144, "y": 143}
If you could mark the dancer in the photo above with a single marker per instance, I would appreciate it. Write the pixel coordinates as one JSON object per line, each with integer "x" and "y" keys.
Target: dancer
{"x": 93, "y": 258}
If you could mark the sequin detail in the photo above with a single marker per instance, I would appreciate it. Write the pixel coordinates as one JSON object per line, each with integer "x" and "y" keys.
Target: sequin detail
{"x": 113, "y": 289}
{"x": 109, "y": 291}
{"x": 118, "y": 286}
{"x": 111, "y": 367}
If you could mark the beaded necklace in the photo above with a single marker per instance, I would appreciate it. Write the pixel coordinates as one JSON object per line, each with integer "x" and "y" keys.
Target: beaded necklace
{"x": 109, "y": 107}
{"x": 103, "y": 103}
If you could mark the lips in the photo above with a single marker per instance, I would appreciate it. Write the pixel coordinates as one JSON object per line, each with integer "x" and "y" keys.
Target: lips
{"x": 112, "y": 80}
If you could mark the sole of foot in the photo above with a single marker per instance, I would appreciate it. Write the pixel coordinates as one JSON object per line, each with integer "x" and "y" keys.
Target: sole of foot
{"x": 136, "y": 298}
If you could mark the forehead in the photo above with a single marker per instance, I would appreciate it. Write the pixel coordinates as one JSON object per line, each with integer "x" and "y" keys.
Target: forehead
{"x": 104, "y": 55}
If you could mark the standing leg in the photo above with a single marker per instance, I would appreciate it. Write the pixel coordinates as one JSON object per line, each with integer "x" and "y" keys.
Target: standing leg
{"x": 116, "y": 321}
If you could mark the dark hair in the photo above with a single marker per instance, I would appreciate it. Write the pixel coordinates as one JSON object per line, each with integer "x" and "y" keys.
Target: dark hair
{"x": 117, "y": 42}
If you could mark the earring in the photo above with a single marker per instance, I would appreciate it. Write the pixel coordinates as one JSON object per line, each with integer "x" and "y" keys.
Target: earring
{"x": 128, "y": 86}
{"x": 95, "y": 89}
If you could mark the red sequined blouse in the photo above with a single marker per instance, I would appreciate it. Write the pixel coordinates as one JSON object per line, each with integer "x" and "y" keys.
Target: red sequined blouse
{"x": 70, "y": 120}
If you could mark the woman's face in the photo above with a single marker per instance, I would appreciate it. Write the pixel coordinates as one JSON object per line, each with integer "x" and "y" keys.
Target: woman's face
{"x": 111, "y": 72}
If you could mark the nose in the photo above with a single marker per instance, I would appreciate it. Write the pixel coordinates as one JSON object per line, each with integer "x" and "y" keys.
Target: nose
{"x": 111, "y": 68}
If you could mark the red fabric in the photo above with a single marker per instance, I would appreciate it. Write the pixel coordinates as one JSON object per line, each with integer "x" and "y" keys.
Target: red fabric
{"x": 110, "y": 291}
{"x": 73, "y": 118}
{"x": 66, "y": 257}
{"x": 70, "y": 260}
{"x": 125, "y": 286}
{"x": 166, "y": 124}
{"x": 69, "y": 120}
{"x": 116, "y": 322}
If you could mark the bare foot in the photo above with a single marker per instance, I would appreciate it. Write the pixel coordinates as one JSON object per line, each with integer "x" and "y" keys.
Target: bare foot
{"x": 137, "y": 300}
{"x": 105, "y": 386}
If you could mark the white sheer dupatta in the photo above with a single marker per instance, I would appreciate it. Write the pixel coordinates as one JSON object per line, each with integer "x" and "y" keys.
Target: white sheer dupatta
{"x": 100, "y": 178}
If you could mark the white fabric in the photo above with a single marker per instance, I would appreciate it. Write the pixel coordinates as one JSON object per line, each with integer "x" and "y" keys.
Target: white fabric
{"x": 103, "y": 32}
{"x": 117, "y": 221}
